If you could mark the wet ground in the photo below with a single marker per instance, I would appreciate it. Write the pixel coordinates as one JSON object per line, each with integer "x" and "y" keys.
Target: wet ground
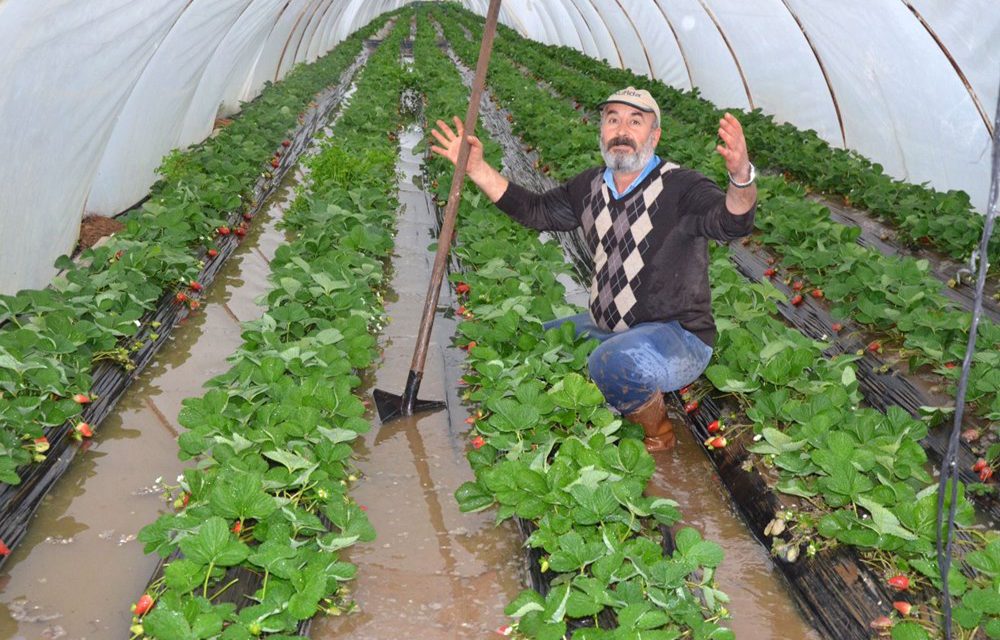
{"x": 433, "y": 572}
{"x": 80, "y": 566}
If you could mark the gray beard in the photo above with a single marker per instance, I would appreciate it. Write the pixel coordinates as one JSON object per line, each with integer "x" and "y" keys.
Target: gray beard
{"x": 627, "y": 161}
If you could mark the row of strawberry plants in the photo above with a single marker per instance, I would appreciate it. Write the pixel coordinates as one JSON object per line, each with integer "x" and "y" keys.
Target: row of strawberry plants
{"x": 273, "y": 435}
{"x": 945, "y": 221}
{"x": 859, "y": 473}
{"x": 895, "y": 297}
{"x": 547, "y": 450}
{"x": 50, "y": 339}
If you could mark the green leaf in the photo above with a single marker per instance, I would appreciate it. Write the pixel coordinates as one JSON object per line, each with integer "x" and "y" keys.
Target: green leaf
{"x": 884, "y": 521}
{"x": 907, "y": 630}
{"x": 167, "y": 624}
{"x": 984, "y": 600}
{"x": 183, "y": 575}
{"x": 214, "y": 544}
{"x": 240, "y": 497}
{"x": 526, "y": 602}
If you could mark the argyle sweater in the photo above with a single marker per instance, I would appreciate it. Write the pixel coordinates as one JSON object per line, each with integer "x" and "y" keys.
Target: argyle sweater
{"x": 650, "y": 247}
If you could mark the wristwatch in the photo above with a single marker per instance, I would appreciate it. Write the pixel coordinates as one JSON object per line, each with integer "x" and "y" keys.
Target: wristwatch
{"x": 744, "y": 185}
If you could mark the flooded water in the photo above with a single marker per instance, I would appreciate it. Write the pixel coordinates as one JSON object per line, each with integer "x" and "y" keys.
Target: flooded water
{"x": 433, "y": 572}
{"x": 761, "y": 606}
{"x": 79, "y": 567}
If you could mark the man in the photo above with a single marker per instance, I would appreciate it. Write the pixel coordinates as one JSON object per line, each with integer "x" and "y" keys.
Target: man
{"x": 647, "y": 222}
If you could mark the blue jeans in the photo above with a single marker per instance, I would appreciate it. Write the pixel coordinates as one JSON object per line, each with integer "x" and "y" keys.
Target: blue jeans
{"x": 632, "y": 365}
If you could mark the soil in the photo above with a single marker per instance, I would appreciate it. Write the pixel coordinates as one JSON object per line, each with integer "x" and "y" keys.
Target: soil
{"x": 94, "y": 227}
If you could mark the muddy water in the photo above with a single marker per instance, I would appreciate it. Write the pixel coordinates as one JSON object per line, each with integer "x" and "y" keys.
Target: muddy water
{"x": 760, "y": 606}
{"x": 80, "y": 566}
{"x": 433, "y": 572}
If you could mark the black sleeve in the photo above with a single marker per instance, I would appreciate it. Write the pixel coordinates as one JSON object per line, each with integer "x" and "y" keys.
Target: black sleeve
{"x": 549, "y": 211}
{"x": 703, "y": 207}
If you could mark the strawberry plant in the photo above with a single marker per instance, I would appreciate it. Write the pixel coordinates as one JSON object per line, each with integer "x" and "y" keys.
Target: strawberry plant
{"x": 273, "y": 434}
{"x": 551, "y": 453}
{"x": 50, "y": 339}
{"x": 856, "y": 476}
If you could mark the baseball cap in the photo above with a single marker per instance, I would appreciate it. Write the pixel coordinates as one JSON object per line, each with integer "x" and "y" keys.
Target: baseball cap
{"x": 638, "y": 98}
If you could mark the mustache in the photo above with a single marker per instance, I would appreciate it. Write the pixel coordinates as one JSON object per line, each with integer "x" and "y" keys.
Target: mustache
{"x": 622, "y": 140}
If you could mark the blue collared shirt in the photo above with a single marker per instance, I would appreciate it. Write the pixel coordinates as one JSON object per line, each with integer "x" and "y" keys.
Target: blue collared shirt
{"x": 609, "y": 178}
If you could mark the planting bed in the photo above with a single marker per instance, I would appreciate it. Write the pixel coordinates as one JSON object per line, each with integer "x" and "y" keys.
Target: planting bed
{"x": 742, "y": 378}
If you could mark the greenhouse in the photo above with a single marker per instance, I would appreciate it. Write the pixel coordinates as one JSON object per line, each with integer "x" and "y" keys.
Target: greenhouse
{"x": 631, "y": 320}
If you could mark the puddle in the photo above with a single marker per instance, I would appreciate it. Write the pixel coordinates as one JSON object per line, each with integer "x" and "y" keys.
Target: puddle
{"x": 760, "y": 606}
{"x": 433, "y": 572}
{"x": 86, "y": 526}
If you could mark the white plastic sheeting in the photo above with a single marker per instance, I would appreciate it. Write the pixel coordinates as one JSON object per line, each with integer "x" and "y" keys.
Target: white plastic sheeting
{"x": 66, "y": 70}
{"x": 911, "y": 84}
{"x": 95, "y": 93}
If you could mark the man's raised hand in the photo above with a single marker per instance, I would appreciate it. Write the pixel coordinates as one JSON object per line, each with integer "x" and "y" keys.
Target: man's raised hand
{"x": 450, "y": 142}
{"x": 477, "y": 169}
{"x": 734, "y": 148}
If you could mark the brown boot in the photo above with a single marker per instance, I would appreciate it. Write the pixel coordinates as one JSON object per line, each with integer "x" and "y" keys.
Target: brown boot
{"x": 652, "y": 416}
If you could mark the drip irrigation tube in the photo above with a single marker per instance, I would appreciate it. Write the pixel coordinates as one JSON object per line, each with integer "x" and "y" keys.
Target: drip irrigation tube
{"x": 949, "y": 467}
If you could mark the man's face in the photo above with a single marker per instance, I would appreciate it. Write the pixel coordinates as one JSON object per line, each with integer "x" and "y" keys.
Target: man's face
{"x": 628, "y": 137}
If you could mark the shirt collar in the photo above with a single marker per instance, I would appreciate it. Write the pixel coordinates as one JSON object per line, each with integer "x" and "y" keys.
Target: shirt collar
{"x": 609, "y": 178}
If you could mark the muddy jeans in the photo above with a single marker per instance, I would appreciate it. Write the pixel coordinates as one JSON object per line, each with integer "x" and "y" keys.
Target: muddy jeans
{"x": 631, "y": 365}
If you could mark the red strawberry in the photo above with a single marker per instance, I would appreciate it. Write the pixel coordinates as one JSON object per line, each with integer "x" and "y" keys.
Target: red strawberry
{"x": 817, "y": 293}
{"x": 286, "y": 143}
{"x": 797, "y": 285}
{"x": 223, "y": 230}
{"x": 186, "y": 499}
{"x": 212, "y": 253}
{"x": 797, "y": 299}
{"x": 84, "y": 430}
{"x": 949, "y": 365}
{"x": 4, "y": 549}
{"x": 193, "y": 304}
{"x": 470, "y": 420}
{"x": 275, "y": 163}
{"x": 142, "y": 605}
{"x": 875, "y": 346}
{"x": 470, "y": 346}
{"x": 902, "y": 607}
{"x": 770, "y": 272}
{"x": 277, "y": 154}
{"x": 478, "y": 442}
{"x": 240, "y": 231}
{"x": 836, "y": 326}
{"x": 461, "y": 309}
{"x": 718, "y": 442}
{"x": 237, "y": 527}
{"x": 899, "y": 582}
{"x": 247, "y": 215}
{"x": 461, "y": 288}
{"x": 986, "y": 474}
{"x": 685, "y": 390}
{"x": 81, "y": 398}
{"x": 714, "y": 426}
{"x": 979, "y": 465}
{"x": 691, "y": 407}
{"x": 181, "y": 296}
{"x": 195, "y": 286}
